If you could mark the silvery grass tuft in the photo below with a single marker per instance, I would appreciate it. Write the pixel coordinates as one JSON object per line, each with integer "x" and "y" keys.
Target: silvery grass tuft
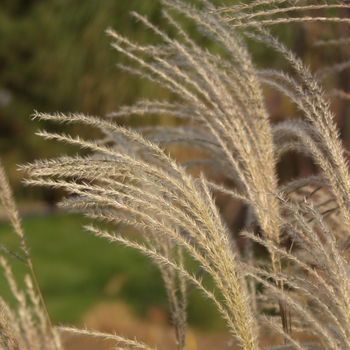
{"x": 128, "y": 179}
{"x": 30, "y": 326}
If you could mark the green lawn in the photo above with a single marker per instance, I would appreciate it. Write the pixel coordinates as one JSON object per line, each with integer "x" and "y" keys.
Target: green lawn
{"x": 76, "y": 270}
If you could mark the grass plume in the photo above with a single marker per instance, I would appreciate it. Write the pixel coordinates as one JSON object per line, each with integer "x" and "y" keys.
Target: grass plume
{"x": 30, "y": 327}
{"x": 130, "y": 180}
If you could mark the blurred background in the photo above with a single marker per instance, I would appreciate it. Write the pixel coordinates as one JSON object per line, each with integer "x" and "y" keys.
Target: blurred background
{"x": 55, "y": 56}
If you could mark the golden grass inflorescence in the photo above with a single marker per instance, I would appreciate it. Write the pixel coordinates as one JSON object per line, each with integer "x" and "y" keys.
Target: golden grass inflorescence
{"x": 302, "y": 274}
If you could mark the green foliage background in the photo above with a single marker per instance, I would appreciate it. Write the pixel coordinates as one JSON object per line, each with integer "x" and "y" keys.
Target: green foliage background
{"x": 55, "y": 56}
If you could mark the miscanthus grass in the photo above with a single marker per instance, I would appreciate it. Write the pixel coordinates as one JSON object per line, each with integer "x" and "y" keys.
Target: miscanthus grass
{"x": 128, "y": 179}
{"x": 29, "y": 327}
